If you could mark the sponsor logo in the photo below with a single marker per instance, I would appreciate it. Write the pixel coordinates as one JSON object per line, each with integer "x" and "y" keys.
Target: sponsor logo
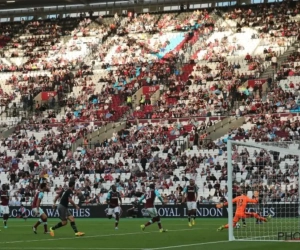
{"x": 168, "y": 212}
{"x": 288, "y": 235}
{"x": 179, "y": 212}
{"x": 207, "y": 212}
{"x": 53, "y": 213}
{"x": 264, "y": 211}
{"x": 203, "y": 210}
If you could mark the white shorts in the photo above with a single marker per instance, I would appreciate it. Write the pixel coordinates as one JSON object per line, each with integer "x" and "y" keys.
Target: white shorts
{"x": 114, "y": 210}
{"x": 4, "y": 209}
{"x": 191, "y": 205}
{"x": 152, "y": 212}
{"x": 37, "y": 213}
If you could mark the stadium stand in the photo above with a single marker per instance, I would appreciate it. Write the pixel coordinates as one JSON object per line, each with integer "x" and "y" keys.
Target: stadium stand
{"x": 199, "y": 63}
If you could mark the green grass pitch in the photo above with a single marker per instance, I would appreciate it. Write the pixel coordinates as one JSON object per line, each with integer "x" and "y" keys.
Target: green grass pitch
{"x": 100, "y": 234}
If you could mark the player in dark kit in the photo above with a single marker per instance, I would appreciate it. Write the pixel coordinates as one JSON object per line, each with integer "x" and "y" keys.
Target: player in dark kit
{"x": 113, "y": 198}
{"x": 4, "y": 208}
{"x": 63, "y": 211}
{"x": 22, "y": 213}
{"x": 149, "y": 205}
{"x": 190, "y": 196}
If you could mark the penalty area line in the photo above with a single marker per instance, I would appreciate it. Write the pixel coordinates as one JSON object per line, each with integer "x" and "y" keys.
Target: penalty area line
{"x": 91, "y": 236}
{"x": 188, "y": 245}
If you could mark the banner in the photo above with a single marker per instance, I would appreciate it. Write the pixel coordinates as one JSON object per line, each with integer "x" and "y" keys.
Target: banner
{"x": 169, "y": 211}
{"x": 45, "y": 96}
{"x": 83, "y": 212}
{"x": 253, "y": 82}
{"x": 149, "y": 90}
{"x": 172, "y": 211}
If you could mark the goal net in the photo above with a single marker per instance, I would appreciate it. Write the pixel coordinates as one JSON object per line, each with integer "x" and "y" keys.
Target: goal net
{"x": 267, "y": 172}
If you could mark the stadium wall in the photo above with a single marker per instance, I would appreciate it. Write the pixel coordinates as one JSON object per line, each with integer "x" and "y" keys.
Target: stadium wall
{"x": 170, "y": 211}
{"x": 223, "y": 126}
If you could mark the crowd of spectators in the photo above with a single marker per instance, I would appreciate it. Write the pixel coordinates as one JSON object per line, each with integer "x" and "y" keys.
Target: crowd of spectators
{"x": 147, "y": 152}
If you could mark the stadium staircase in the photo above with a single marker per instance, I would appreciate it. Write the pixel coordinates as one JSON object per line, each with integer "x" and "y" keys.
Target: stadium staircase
{"x": 220, "y": 129}
{"x": 158, "y": 19}
{"x": 270, "y": 71}
{"x": 282, "y": 58}
{"x": 197, "y": 47}
{"x": 26, "y": 113}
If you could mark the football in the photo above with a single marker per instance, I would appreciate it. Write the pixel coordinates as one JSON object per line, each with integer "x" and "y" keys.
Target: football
{"x": 238, "y": 225}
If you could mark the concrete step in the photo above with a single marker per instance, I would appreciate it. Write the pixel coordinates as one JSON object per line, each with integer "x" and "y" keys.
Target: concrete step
{"x": 222, "y": 127}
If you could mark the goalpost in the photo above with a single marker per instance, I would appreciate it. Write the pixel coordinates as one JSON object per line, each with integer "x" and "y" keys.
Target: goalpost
{"x": 276, "y": 177}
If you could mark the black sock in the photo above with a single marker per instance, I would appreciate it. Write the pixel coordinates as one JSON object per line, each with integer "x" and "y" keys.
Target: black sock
{"x": 57, "y": 226}
{"x": 117, "y": 220}
{"x": 74, "y": 227}
{"x": 189, "y": 218}
{"x": 5, "y": 223}
{"x": 193, "y": 217}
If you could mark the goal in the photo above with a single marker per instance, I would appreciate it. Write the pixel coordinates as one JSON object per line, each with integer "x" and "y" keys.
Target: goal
{"x": 270, "y": 171}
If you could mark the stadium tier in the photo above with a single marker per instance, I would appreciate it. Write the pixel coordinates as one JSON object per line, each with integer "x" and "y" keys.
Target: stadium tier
{"x": 180, "y": 86}
{"x": 197, "y": 61}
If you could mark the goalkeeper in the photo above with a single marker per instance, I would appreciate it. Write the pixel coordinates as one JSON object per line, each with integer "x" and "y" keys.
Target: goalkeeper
{"x": 241, "y": 203}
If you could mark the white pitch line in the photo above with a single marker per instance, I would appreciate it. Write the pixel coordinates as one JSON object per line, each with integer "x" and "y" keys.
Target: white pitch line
{"x": 64, "y": 248}
{"x": 188, "y": 245}
{"x": 93, "y": 236}
{"x": 182, "y": 224}
{"x": 158, "y": 248}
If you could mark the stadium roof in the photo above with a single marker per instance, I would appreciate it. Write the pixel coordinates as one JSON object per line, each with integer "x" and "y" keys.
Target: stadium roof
{"x": 15, "y": 4}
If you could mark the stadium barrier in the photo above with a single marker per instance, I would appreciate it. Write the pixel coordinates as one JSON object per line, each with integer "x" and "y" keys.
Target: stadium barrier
{"x": 171, "y": 211}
